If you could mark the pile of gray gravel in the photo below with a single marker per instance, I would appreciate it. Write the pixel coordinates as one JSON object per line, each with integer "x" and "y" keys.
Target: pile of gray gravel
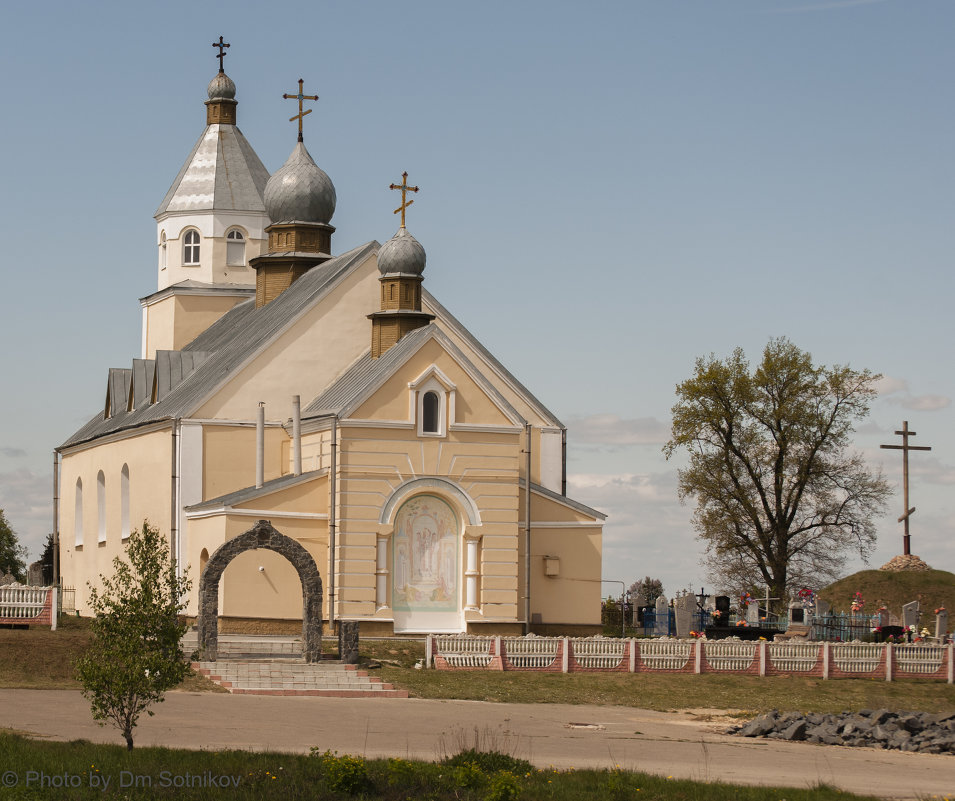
{"x": 875, "y": 728}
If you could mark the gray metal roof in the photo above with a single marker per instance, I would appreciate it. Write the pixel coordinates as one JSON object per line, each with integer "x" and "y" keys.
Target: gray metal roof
{"x": 223, "y": 350}
{"x": 190, "y": 287}
{"x": 117, "y": 389}
{"x": 144, "y": 371}
{"x": 222, "y": 172}
{"x": 367, "y": 374}
{"x": 556, "y": 496}
{"x": 251, "y": 493}
{"x": 300, "y": 190}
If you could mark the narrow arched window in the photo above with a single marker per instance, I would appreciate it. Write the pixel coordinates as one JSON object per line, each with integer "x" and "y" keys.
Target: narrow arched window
{"x": 190, "y": 247}
{"x": 124, "y": 500}
{"x": 101, "y": 506}
{"x": 429, "y": 413}
{"x": 162, "y": 251}
{"x": 78, "y": 513}
{"x": 235, "y": 249}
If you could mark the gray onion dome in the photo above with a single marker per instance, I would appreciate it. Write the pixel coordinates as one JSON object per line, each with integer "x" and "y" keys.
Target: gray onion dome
{"x": 221, "y": 87}
{"x": 401, "y": 254}
{"x": 300, "y": 191}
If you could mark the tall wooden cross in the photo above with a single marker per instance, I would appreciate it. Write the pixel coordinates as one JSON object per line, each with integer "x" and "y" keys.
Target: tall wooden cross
{"x": 405, "y": 189}
{"x": 905, "y": 448}
{"x": 300, "y": 97}
{"x": 222, "y": 45}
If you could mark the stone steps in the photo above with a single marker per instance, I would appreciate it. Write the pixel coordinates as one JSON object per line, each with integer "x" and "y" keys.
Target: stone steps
{"x": 287, "y": 677}
{"x": 265, "y": 645}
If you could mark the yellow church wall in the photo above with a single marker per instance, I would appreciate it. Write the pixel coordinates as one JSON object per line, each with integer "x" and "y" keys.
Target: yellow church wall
{"x": 147, "y": 456}
{"x": 319, "y": 345}
{"x": 229, "y": 457}
{"x": 391, "y": 400}
{"x": 174, "y": 321}
{"x": 573, "y": 596}
{"x": 246, "y": 592}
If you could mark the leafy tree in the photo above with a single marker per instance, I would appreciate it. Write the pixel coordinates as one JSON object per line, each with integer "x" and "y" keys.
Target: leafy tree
{"x": 46, "y": 560}
{"x": 135, "y": 653}
{"x": 12, "y": 554}
{"x": 780, "y": 498}
{"x": 645, "y": 591}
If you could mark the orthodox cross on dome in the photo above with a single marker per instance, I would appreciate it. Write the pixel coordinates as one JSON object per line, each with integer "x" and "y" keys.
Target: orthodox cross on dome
{"x": 222, "y": 45}
{"x": 405, "y": 189}
{"x": 300, "y": 97}
{"x": 905, "y": 448}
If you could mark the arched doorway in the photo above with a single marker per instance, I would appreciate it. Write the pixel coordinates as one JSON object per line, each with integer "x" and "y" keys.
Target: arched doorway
{"x": 261, "y": 535}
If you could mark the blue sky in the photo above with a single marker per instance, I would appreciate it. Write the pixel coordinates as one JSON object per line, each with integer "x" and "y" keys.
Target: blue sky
{"x": 623, "y": 186}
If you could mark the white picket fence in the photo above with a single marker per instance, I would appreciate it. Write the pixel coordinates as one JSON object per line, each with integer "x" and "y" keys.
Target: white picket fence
{"x": 570, "y": 654}
{"x": 27, "y": 604}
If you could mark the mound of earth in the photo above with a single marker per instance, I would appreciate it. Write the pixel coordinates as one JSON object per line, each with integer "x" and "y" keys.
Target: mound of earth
{"x": 892, "y": 589}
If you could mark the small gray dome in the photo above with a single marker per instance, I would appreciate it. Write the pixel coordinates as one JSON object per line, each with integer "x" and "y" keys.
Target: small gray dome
{"x": 221, "y": 87}
{"x": 401, "y": 254}
{"x": 300, "y": 190}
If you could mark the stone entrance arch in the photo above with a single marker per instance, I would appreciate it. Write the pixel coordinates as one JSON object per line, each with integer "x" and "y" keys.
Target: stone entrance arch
{"x": 261, "y": 535}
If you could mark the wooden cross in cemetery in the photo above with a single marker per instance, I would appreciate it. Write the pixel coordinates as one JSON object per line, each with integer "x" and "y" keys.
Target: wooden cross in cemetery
{"x": 222, "y": 45}
{"x": 405, "y": 189}
{"x": 905, "y": 448}
{"x": 300, "y": 97}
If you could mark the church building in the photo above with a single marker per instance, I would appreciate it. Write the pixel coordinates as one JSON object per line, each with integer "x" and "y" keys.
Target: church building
{"x": 330, "y": 394}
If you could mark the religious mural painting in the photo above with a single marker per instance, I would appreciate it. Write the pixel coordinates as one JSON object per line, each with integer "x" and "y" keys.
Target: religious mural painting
{"x": 426, "y": 557}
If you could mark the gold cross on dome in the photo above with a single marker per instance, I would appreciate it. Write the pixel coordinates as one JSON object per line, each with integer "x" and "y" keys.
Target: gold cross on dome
{"x": 405, "y": 189}
{"x": 300, "y": 97}
{"x": 222, "y": 45}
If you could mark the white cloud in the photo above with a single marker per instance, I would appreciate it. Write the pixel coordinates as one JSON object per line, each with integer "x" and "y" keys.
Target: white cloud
{"x": 927, "y": 403}
{"x": 613, "y": 431}
{"x": 889, "y": 386}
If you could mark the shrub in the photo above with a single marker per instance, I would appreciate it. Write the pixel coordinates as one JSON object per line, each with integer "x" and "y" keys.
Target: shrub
{"x": 489, "y": 761}
{"x": 503, "y": 786}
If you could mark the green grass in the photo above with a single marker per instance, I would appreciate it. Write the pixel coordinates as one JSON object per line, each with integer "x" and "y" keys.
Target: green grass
{"x": 933, "y": 588}
{"x": 256, "y": 776}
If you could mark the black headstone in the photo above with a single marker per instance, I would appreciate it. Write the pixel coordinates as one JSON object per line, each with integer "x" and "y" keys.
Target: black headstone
{"x": 797, "y": 615}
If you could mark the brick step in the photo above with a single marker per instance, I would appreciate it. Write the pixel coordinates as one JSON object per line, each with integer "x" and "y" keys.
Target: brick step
{"x": 295, "y": 678}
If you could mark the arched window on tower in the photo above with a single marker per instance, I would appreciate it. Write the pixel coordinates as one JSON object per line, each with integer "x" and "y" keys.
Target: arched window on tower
{"x": 235, "y": 248}
{"x": 190, "y": 247}
{"x": 429, "y": 413}
{"x": 162, "y": 251}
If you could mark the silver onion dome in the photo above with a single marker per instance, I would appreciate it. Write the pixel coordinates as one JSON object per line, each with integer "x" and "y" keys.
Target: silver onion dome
{"x": 221, "y": 87}
{"x": 300, "y": 191}
{"x": 401, "y": 254}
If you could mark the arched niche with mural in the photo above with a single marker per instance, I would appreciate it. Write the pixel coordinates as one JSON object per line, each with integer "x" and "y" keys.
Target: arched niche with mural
{"x": 261, "y": 535}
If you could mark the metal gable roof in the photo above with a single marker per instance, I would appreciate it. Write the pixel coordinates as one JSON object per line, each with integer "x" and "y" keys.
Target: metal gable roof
{"x": 251, "y": 493}
{"x": 225, "y": 347}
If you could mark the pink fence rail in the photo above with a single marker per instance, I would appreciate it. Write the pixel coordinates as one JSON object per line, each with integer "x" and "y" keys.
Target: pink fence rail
{"x": 608, "y": 655}
{"x": 34, "y": 606}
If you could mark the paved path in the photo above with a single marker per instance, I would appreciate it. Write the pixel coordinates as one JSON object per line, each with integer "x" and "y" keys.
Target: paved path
{"x": 672, "y": 744}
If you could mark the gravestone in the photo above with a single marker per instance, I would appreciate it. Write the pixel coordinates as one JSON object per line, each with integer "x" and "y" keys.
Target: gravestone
{"x": 661, "y": 626}
{"x": 910, "y": 614}
{"x": 797, "y": 615}
{"x": 822, "y": 608}
{"x": 883, "y": 617}
{"x": 683, "y": 609}
{"x": 752, "y": 614}
{"x": 941, "y": 624}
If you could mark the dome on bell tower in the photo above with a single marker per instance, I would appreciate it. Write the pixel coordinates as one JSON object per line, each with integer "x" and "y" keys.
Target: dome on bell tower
{"x": 402, "y": 254}
{"x": 221, "y": 87}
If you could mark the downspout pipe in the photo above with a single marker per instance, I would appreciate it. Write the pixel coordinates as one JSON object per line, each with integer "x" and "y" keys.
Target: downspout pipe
{"x": 528, "y": 429}
{"x": 332, "y": 526}
{"x": 56, "y": 520}
{"x": 563, "y": 462}
{"x": 260, "y": 446}
{"x": 297, "y": 435}
{"x": 174, "y": 495}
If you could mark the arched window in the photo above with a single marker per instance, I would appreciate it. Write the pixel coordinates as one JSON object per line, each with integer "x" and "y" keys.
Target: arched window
{"x": 124, "y": 500}
{"x": 429, "y": 413}
{"x": 101, "y": 506}
{"x": 190, "y": 247}
{"x": 203, "y": 558}
{"x": 235, "y": 249}
{"x": 78, "y": 513}
{"x": 162, "y": 251}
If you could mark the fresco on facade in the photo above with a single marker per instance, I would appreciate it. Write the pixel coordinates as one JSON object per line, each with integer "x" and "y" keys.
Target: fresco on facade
{"x": 425, "y": 556}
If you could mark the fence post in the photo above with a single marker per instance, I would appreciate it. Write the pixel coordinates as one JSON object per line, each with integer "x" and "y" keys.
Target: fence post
{"x": 428, "y": 651}
{"x": 698, "y": 660}
{"x": 54, "y": 609}
{"x": 762, "y": 657}
{"x": 565, "y": 656}
{"x": 499, "y": 650}
{"x": 889, "y": 660}
{"x": 632, "y": 667}
{"x": 951, "y": 664}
